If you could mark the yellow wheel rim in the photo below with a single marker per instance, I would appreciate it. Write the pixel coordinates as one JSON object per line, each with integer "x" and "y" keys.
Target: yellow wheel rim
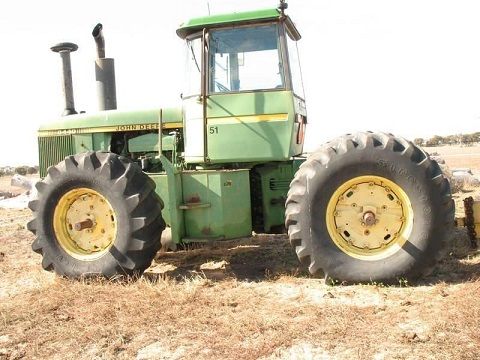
{"x": 369, "y": 217}
{"x": 85, "y": 224}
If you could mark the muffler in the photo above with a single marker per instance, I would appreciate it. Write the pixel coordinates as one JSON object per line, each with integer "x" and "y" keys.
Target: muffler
{"x": 104, "y": 73}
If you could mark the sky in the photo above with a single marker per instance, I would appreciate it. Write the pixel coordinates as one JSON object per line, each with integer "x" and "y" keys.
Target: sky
{"x": 411, "y": 68}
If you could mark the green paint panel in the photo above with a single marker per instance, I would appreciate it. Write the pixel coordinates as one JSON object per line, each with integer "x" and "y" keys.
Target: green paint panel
{"x": 170, "y": 191}
{"x": 149, "y": 143}
{"x": 101, "y": 141}
{"x": 245, "y": 127}
{"x": 83, "y": 143}
{"x": 115, "y": 118}
{"x": 216, "y": 204}
{"x": 196, "y": 24}
{"x": 274, "y": 184}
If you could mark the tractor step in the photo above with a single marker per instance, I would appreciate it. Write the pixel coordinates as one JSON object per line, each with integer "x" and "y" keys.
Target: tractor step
{"x": 191, "y": 206}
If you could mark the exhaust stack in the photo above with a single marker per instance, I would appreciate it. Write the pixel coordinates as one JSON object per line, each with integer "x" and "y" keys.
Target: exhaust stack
{"x": 64, "y": 49}
{"x": 104, "y": 73}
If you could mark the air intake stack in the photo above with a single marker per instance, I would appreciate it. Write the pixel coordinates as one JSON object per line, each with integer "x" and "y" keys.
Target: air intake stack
{"x": 104, "y": 73}
{"x": 64, "y": 49}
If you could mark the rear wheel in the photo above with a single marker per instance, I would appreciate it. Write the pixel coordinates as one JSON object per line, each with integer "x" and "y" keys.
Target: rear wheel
{"x": 369, "y": 207}
{"x": 96, "y": 214}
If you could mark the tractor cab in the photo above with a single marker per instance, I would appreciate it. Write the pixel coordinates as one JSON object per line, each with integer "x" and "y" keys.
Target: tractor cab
{"x": 243, "y": 99}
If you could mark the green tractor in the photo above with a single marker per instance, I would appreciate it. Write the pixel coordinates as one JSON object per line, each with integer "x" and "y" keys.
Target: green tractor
{"x": 117, "y": 185}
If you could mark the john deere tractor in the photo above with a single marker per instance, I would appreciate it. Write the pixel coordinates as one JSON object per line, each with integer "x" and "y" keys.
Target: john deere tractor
{"x": 119, "y": 185}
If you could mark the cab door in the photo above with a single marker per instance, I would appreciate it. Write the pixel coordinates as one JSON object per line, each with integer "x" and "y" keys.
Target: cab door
{"x": 249, "y": 113}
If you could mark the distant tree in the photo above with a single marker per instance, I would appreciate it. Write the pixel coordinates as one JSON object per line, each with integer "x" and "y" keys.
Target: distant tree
{"x": 451, "y": 139}
{"x": 21, "y": 170}
{"x": 435, "y": 141}
{"x": 418, "y": 141}
{"x": 476, "y": 136}
{"x": 467, "y": 139}
{"x": 439, "y": 140}
{"x": 8, "y": 170}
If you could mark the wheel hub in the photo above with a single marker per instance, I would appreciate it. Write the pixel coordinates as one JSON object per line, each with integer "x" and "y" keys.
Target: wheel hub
{"x": 84, "y": 223}
{"x": 369, "y": 217}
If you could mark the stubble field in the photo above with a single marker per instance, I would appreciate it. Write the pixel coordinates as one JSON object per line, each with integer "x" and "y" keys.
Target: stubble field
{"x": 242, "y": 299}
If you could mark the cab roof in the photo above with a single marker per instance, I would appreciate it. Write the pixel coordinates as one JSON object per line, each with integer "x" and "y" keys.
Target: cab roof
{"x": 197, "y": 24}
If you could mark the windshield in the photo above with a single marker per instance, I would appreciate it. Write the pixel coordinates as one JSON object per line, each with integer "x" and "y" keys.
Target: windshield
{"x": 245, "y": 59}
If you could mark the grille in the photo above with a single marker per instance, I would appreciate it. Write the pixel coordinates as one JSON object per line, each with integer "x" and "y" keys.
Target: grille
{"x": 52, "y": 150}
{"x": 278, "y": 184}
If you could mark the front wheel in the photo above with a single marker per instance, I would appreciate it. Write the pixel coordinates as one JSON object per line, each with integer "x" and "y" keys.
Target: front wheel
{"x": 96, "y": 214}
{"x": 369, "y": 207}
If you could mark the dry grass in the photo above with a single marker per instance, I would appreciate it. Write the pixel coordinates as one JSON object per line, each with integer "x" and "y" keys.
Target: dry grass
{"x": 460, "y": 157}
{"x": 244, "y": 299}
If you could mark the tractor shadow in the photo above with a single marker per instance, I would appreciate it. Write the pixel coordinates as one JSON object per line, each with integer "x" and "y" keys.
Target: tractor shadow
{"x": 266, "y": 257}
{"x": 461, "y": 264}
{"x": 256, "y": 258}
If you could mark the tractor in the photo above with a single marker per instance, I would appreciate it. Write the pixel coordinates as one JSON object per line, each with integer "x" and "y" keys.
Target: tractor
{"x": 119, "y": 185}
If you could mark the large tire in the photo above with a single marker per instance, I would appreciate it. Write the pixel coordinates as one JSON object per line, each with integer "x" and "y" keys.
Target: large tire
{"x": 369, "y": 207}
{"x": 96, "y": 214}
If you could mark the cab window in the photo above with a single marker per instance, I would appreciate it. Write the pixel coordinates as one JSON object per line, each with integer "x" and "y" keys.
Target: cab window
{"x": 245, "y": 59}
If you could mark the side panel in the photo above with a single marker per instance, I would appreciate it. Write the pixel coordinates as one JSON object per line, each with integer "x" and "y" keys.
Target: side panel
{"x": 171, "y": 195}
{"x": 216, "y": 204}
{"x": 245, "y": 127}
{"x": 101, "y": 141}
{"x": 83, "y": 142}
{"x": 83, "y": 132}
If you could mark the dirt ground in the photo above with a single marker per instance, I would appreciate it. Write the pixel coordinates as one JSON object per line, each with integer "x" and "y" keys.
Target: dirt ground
{"x": 243, "y": 299}
{"x": 459, "y": 156}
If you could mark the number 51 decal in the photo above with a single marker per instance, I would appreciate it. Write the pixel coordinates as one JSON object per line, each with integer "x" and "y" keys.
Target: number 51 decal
{"x": 213, "y": 130}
